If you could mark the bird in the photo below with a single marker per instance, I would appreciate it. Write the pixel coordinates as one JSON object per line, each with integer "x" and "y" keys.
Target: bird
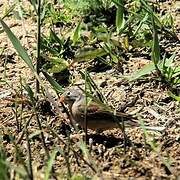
{"x": 99, "y": 117}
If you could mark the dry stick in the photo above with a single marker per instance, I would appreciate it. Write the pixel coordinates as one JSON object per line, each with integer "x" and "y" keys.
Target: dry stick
{"x": 30, "y": 171}
{"x": 76, "y": 154}
{"x": 22, "y": 104}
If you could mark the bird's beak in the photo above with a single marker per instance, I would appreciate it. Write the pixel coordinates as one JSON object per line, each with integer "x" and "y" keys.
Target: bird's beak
{"x": 61, "y": 100}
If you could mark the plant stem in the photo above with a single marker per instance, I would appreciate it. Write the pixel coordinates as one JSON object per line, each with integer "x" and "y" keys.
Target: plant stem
{"x": 38, "y": 62}
{"x": 30, "y": 171}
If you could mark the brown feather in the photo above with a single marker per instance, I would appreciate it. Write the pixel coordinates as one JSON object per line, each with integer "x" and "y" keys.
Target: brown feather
{"x": 98, "y": 116}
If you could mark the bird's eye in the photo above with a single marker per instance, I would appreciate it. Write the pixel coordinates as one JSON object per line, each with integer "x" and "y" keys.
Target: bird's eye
{"x": 68, "y": 93}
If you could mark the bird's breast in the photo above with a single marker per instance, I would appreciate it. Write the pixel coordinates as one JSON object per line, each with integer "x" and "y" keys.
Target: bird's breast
{"x": 77, "y": 115}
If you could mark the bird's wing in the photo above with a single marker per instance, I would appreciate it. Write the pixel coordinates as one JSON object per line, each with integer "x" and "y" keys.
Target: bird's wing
{"x": 92, "y": 108}
{"x": 99, "y": 113}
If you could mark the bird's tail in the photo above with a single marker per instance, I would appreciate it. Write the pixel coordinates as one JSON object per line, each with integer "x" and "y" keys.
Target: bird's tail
{"x": 154, "y": 128}
{"x": 134, "y": 123}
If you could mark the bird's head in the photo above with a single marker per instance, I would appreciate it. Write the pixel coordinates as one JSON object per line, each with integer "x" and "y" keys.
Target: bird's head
{"x": 71, "y": 95}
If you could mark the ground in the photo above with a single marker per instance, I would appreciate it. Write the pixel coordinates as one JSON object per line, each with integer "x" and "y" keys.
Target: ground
{"x": 151, "y": 155}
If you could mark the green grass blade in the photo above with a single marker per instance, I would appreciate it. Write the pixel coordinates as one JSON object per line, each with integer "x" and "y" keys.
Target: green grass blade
{"x": 141, "y": 23}
{"x": 150, "y": 11}
{"x": 33, "y": 2}
{"x": 17, "y": 45}
{"x": 177, "y": 98}
{"x": 86, "y": 55}
{"x": 49, "y": 166}
{"x": 155, "y": 46}
{"x": 77, "y": 34}
{"x": 92, "y": 85}
{"x": 168, "y": 62}
{"x": 119, "y": 16}
{"x": 56, "y": 38}
{"x": 29, "y": 91}
{"x": 9, "y": 10}
{"x": 147, "y": 69}
{"x": 176, "y": 72}
{"x": 54, "y": 84}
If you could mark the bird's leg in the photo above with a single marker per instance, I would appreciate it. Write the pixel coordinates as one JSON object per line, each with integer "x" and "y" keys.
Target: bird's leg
{"x": 126, "y": 140}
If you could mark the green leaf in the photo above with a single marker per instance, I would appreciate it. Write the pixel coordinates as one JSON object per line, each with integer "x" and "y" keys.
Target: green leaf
{"x": 53, "y": 83}
{"x": 33, "y": 2}
{"x": 116, "y": 2}
{"x": 56, "y": 38}
{"x": 84, "y": 149}
{"x": 47, "y": 48}
{"x": 20, "y": 170}
{"x": 177, "y": 98}
{"x": 79, "y": 177}
{"x": 9, "y": 10}
{"x": 35, "y": 134}
{"x": 77, "y": 34}
{"x": 176, "y": 72}
{"x": 56, "y": 65}
{"x": 119, "y": 15}
{"x": 155, "y": 46}
{"x": 17, "y": 45}
{"x": 147, "y": 69}
{"x": 168, "y": 62}
{"x": 29, "y": 91}
{"x": 49, "y": 166}
{"x": 150, "y": 11}
{"x": 141, "y": 23}
{"x": 86, "y": 54}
